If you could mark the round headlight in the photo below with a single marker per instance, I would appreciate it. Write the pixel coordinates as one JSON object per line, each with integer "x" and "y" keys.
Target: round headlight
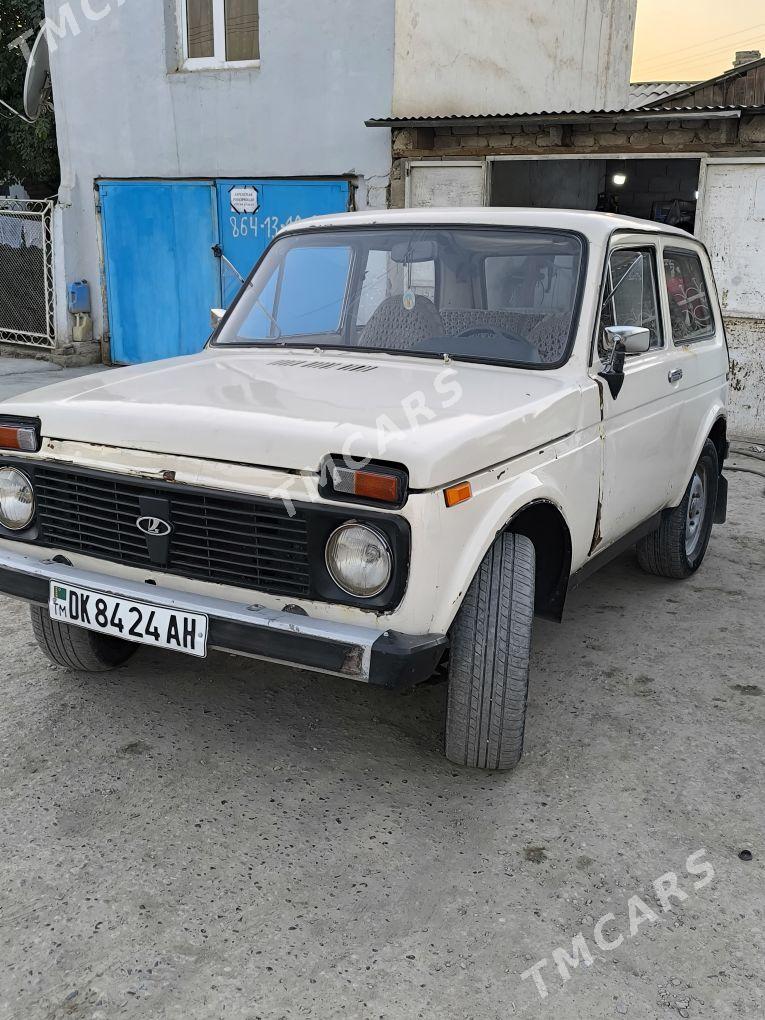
{"x": 17, "y": 499}
{"x": 359, "y": 560}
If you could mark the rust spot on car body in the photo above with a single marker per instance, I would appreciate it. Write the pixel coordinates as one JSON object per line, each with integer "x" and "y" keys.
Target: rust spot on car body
{"x": 354, "y": 662}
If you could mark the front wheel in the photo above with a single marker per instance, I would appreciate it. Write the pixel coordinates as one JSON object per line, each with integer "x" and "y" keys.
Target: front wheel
{"x": 74, "y": 648}
{"x": 489, "y": 659}
{"x": 678, "y": 546}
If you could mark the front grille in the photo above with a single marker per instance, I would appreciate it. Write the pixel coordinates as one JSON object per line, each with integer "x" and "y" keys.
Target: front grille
{"x": 235, "y": 541}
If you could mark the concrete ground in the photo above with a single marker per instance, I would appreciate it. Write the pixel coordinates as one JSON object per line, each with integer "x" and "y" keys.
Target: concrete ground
{"x": 20, "y": 375}
{"x": 233, "y": 839}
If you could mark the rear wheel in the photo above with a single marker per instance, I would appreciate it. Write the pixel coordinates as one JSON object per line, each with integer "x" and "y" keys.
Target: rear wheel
{"x": 74, "y": 648}
{"x": 678, "y": 546}
{"x": 489, "y": 659}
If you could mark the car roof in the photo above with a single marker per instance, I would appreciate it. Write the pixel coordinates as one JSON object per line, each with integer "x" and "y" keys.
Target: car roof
{"x": 596, "y": 226}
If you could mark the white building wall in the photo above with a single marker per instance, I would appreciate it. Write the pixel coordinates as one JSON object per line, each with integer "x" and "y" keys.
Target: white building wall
{"x": 731, "y": 221}
{"x": 124, "y": 110}
{"x": 511, "y": 56}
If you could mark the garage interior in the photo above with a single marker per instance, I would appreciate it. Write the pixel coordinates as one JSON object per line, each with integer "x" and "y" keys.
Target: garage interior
{"x": 665, "y": 190}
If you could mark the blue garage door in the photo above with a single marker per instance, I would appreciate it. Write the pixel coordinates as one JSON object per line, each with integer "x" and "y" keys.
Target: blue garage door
{"x": 162, "y": 277}
{"x": 162, "y": 274}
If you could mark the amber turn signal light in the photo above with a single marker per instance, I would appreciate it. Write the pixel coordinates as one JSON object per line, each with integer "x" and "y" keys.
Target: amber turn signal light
{"x": 457, "y": 494}
{"x": 18, "y": 437}
{"x": 371, "y": 484}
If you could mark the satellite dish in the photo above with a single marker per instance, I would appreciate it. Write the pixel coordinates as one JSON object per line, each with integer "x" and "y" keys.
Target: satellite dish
{"x": 37, "y": 83}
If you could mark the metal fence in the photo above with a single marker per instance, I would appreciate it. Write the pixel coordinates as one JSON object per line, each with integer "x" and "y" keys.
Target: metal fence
{"x": 27, "y": 294}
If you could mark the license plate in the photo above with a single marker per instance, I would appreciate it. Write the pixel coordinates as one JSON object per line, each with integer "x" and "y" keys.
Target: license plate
{"x": 140, "y": 622}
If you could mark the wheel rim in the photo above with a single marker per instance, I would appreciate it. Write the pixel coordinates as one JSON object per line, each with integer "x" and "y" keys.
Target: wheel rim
{"x": 697, "y": 507}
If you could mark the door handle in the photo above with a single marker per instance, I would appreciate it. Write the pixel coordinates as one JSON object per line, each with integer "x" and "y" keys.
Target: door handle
{"x": 676, "y": 375}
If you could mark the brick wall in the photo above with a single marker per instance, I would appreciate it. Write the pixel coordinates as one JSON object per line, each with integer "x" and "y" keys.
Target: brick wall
{"x": 605, "y": 136}
{"x": 632, "y": 138}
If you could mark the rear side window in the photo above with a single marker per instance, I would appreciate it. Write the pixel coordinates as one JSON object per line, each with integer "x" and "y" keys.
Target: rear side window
{"x": 690, "y": 309}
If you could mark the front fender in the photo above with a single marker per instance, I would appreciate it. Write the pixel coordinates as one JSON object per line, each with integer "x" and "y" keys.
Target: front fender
{"x": 470, "y": 529}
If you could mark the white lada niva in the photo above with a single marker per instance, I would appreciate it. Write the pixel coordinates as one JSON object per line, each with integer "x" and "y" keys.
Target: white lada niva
{"x": 410, "y": 433}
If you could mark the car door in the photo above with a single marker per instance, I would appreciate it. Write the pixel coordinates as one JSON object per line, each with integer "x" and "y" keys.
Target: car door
{"x": 696, "y": 343}
{"x": 641, "y": 448}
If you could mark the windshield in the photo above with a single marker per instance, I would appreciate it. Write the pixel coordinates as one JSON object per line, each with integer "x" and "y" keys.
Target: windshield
{"x": 496, "y": 294}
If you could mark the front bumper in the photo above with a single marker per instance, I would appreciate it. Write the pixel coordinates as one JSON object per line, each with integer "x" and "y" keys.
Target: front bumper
{"x": 361, "y": 653}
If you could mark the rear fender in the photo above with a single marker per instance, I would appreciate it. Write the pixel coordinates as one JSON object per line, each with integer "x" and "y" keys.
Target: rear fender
{"x": 714, "y": 427}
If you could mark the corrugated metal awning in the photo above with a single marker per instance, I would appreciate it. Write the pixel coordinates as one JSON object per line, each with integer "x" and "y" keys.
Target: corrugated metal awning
{"x": 568, "y": 117}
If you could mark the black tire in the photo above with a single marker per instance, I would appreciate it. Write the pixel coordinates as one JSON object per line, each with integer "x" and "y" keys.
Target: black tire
{"x": 674, "y": 550}
{"x": 82, "y": 651}
{"x": 489, "y": 659}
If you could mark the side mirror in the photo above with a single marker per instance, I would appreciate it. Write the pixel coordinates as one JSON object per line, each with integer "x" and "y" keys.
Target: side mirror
{"x": 633, "y": 339}
{"x": 216, "y": 316}
{"x": 623, "y": 340}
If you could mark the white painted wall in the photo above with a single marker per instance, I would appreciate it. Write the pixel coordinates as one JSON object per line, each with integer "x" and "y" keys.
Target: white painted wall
{"x": 123, "y": 109}
{"x": 511, "y": 56}
{"x": 447, "y": 183}
{"x": 731, "y": 222}
{"x": 746, "y": 339}
{"x": 732, "y": 225}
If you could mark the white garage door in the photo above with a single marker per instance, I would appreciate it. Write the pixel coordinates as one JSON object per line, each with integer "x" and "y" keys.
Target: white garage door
{"x": 733, "y": 228}
{"x": 449, "y": 184}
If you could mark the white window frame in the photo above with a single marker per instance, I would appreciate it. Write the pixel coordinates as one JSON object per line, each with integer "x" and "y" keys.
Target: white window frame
{"x": 217, "y": 61}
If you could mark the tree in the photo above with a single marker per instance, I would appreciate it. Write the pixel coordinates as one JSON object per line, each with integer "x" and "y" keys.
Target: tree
{"x": 28, "y": 152}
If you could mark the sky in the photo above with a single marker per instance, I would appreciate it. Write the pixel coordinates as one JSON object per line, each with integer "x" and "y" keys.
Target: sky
{"x": 690, "y": 40}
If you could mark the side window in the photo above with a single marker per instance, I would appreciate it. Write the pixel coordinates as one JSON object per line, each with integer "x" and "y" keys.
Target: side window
{"x": 690, "y": 309}
{"x": 631, "y": 297}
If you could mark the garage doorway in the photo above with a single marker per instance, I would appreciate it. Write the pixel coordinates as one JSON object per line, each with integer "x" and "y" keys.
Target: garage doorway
{"x": 664, "y": 190}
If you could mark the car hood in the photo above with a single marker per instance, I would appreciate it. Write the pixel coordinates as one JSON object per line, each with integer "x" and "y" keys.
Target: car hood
{"x": 290, "y": 409}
